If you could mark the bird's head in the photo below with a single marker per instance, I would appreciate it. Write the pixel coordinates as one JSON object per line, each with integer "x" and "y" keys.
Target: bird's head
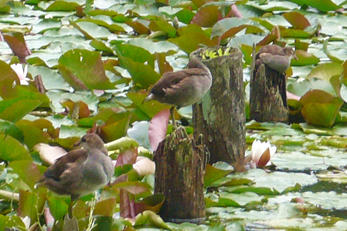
{"x": 91, "y": 141}
{"x": 289, "y": 51}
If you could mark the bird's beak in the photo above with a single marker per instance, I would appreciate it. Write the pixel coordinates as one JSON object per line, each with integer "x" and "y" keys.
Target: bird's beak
{"x": 78, "y": 143}
{"x": 148, "y": 98}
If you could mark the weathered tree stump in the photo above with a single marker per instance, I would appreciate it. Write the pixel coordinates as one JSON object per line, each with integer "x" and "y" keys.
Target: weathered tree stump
{"x": 268, "y": 99}
{"x": 180, "y": 166}
{"x": 220, "y": 117}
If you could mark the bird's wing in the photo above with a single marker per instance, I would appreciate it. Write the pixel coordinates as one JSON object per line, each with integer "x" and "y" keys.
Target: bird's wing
{"x": 65, "y": 163}
{"x": 172, "y": 80}
{"x": 272, "y": 49}
{"x": 276, "y": 62}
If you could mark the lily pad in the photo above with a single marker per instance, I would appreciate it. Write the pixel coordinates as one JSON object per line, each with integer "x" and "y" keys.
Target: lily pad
{"x": 83, "y": 69}
{"x": 320, "y": 108}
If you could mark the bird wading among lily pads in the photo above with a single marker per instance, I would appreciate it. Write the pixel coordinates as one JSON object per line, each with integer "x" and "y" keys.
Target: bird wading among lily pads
{"x": 184, "y": 87}
{"x": 81, "y": 171}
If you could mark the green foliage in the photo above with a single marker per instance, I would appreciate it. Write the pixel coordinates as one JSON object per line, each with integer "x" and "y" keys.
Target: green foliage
{"x": 121, "y": 48}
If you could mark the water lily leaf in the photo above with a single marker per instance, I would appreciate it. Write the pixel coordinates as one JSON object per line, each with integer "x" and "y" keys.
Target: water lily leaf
{"x": 57, "y": 97}
{"x": 302, "y": 87}
{"x": 320, "y": 108}
{"x": 92, "y": 30}
{"x": 295, "y": 33}
{"x": 8, "y": 76}
{"x": 257, "y": 190}
{"x": 105, "y": 207}
{"x": 46, "y": 24}
{"x": 17, "y": 44}
{"x": 38, "y": 131}
{"x": 58, "y": 206}
{"x": 326, "y": 71}
{"x": 298, "y": 20}
{"x": 29, "y": 204}
{"x": 337, "y": 177}
{"x": 77, "y": 109}
{"x": 138, "y": 26}
{"x": 133, "y": 187}
{"x": 274, "y": 6}
{"x": 83, "y": 69}
{"x": 221, "y": 202}
{"x": 153, "y": 46}
{"x": 191, "y": 37}
{"x": 185, "y": 16}
{"x": 159, "y": 24}
{"x": 28, "y": 171}
{"x": 116, "y": 126}
{"x": 135, "y": 53}
{"x": 152, "y": 203}
{"x": 150, "y": 108}
{"x": 51, "y": 79}
{"x": 14, "y": 109}
{"x": 62, "y": 6}
{"x": 11, "y": 221}
{"x": 323, "y": 5}
{"x": 207, "y": 16}
{"x": 9, "y": 128}
{"x": 304, "y": 58}
{"x": 140, "y": 132}
{"x": 12, "y": 149}
{"x": 111, "y": 27}
{"x": 212, "y": 174}
{"x": 143, "y": 75}
{"x": 243, "y": 198}
{"x": 279, "y": 181}
{"x": 71, "y": 131}
{"x": 150, "y": 218}
{"x": 230, "y": 26}
{"x": 4, "y": 7}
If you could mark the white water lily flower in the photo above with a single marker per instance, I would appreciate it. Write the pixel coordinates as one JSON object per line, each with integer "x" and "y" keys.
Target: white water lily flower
{"x": 144, "y": 166}
{"x": 261, "y": 153}
{"x": 21, "y": 73}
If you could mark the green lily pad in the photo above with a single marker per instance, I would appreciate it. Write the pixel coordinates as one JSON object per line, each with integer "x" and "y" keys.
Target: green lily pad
{"x": 320, "y": 108}
{"x": 12, "y": 149}
{"x": 326, "y": 71}
{"x": 84, "y": 69}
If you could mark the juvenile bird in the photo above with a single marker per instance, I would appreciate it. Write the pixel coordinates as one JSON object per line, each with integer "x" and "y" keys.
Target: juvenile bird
{"x": 276, "y": 57}
{"x": 80, "y": 171}
{"x": 184, "y": 87}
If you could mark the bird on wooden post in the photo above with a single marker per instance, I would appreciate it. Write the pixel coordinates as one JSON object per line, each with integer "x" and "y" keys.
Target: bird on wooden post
{"x": 182, "y": 88}
{"x": 81, "y": 171}
{"x": 275, "y": 57}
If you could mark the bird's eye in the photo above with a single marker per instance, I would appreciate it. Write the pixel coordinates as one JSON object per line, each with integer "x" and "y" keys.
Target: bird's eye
{"x": 84, "y": 139}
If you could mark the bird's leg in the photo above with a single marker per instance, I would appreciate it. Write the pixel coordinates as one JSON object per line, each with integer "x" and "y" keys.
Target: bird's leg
{"x": 172, "y": 112}
{"x": 73, "y": 199}
{"x": 70, "y": 209}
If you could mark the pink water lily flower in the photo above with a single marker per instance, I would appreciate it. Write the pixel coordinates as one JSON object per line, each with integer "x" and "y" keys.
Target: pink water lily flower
{"x": 21, "y": 73}
{"x": 261, "y": 153}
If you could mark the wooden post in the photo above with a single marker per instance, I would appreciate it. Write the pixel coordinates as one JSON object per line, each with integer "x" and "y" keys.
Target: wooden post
{"x": 180, "y": 166}
{"x": 268, "y": 99}
{"x": 220, "y": 117}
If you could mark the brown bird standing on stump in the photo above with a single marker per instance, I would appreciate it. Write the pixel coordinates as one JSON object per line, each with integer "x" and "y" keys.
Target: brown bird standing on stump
{"x": 275, "y": 57}
{"x": 80, "y": 171}
{"x": 182, "y": 88}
